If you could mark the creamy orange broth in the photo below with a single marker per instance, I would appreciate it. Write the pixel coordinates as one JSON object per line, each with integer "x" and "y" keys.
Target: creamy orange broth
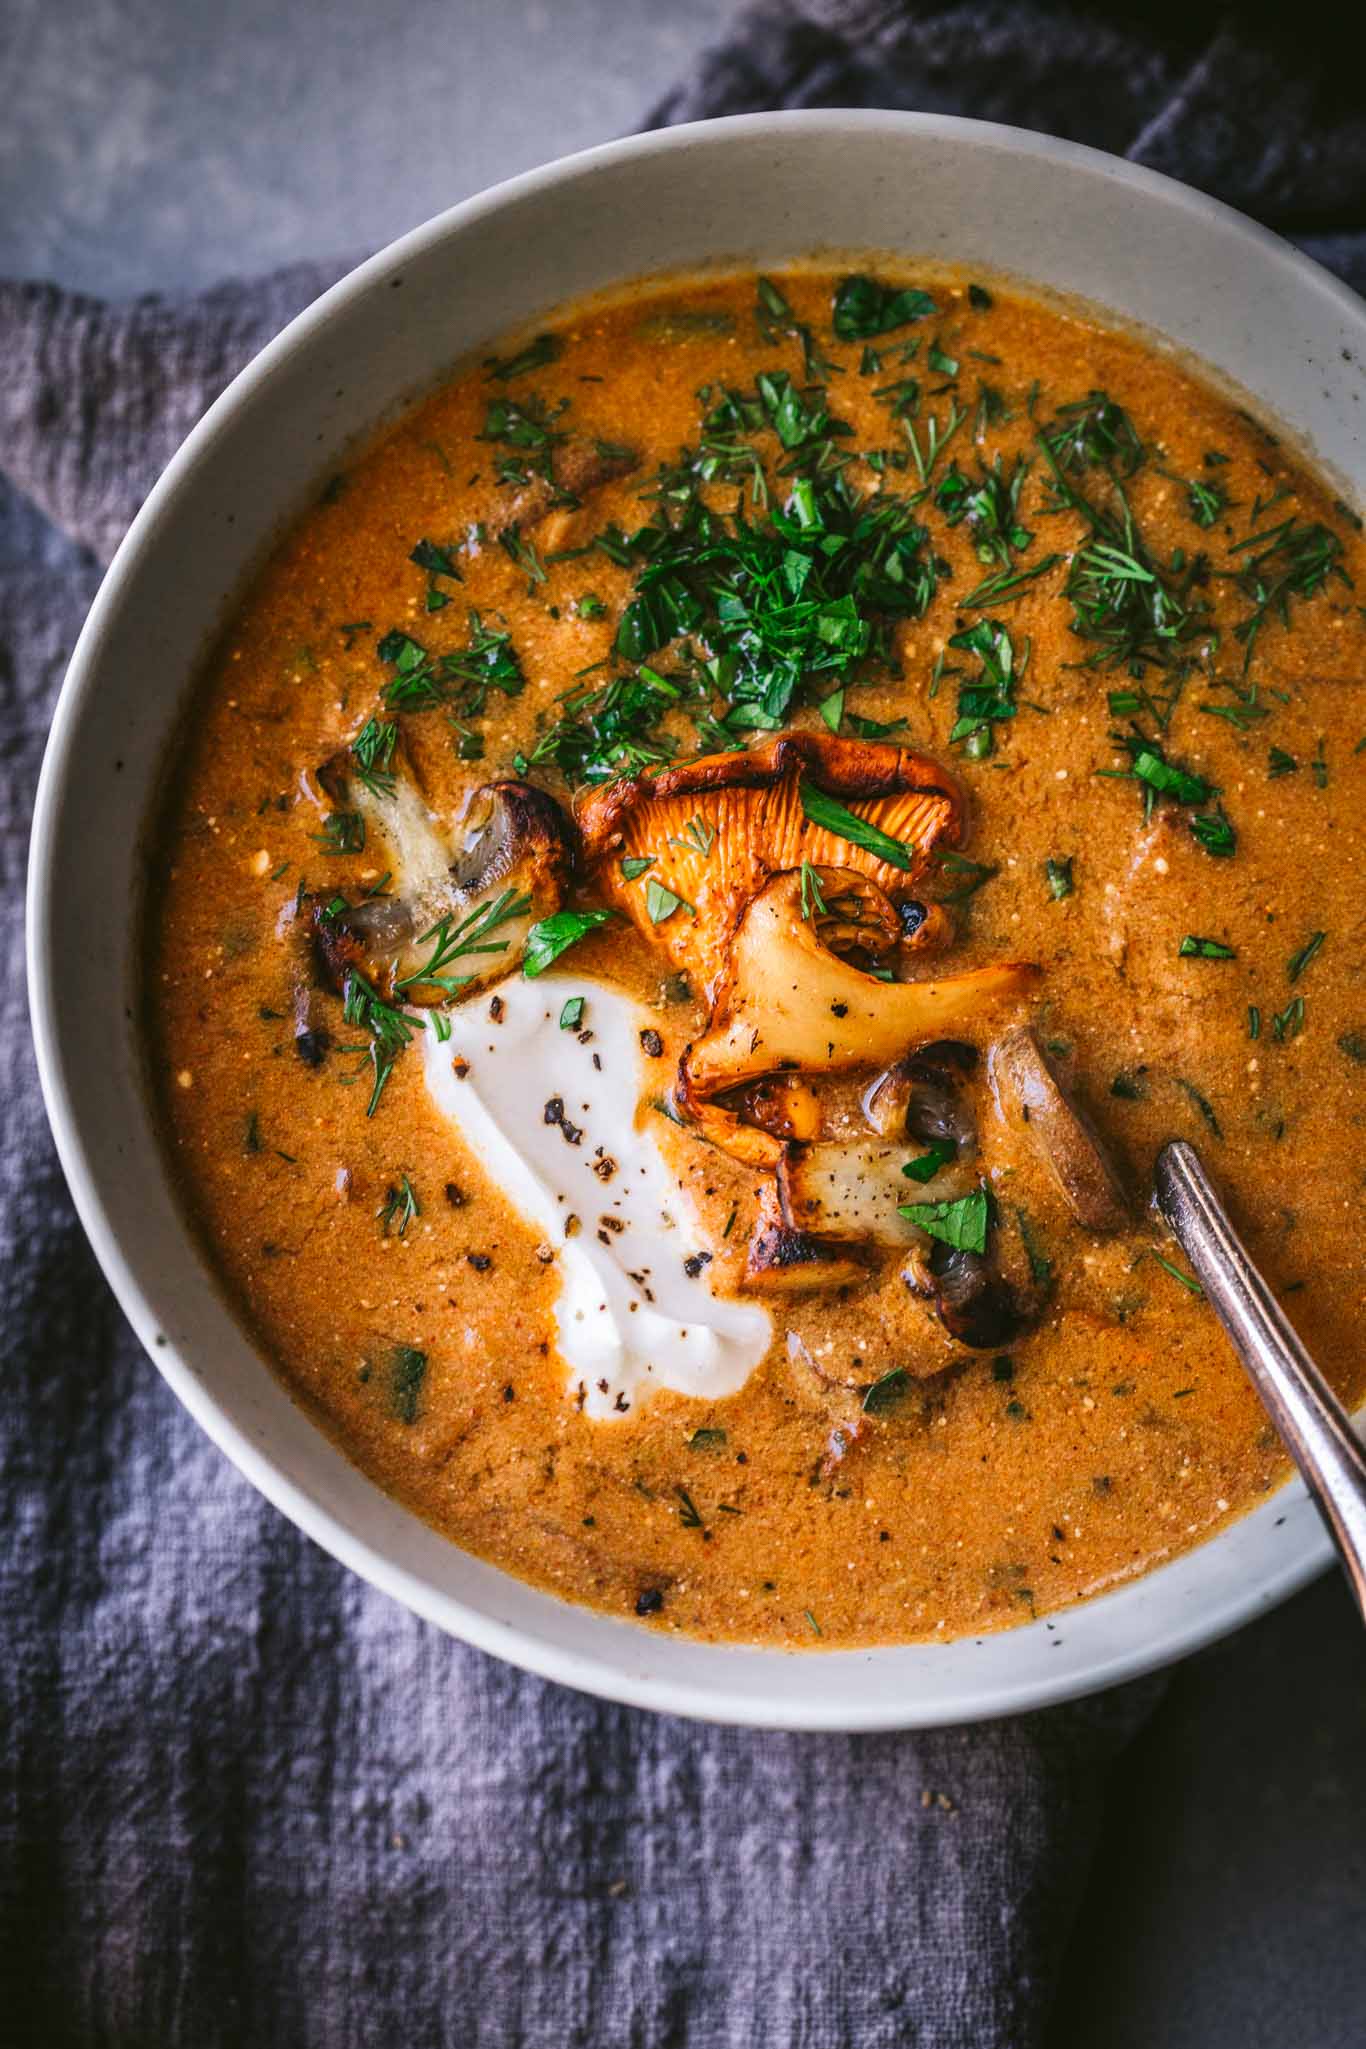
{"x": 980, "y": 1487}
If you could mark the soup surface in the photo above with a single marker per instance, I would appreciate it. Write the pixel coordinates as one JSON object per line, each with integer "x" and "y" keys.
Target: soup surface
{"x": 694, "y": 887}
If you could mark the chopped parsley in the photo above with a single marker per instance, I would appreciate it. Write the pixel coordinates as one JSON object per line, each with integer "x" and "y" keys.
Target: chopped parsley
{"x": 547, "y": 348}
{"x": 927, "y": 1164}
{"x": 863, "y": 307}
{"x": 961, "y": 1224}
{"x": 661, "y": 903}
{"x": 552, "y": 936}
{"x": 407, "y": 1372}
{"x": 887, "y": 1391}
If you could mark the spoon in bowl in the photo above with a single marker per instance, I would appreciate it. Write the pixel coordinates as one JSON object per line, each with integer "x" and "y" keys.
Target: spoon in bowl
{"x": 1314, "y": 1427}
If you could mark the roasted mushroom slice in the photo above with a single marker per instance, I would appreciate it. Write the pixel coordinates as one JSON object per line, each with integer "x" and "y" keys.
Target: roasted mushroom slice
{"x": 975, "y": 1302}
{"x": 920, "y": 1097}
{"x": 684, "y": 850}
{"x": 1029, "y": 1092}
{"x": 787, "y": 1001}
{"x": 787, "y": 1261}
{"x": 546, "y": 505}
{"x": 461, "y": 899}
{"x": 853, "y": 1191}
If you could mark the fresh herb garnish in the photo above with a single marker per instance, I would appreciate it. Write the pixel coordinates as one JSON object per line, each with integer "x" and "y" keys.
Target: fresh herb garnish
{"x": 1059, "y": 875}
{"x": 1215, "y": 832}
{"x": 343, "y": 833}
{"x": 552, "y": 936}
{"x": 927, "y": 1164}
{"x": 1205, "y": 500}
{"x": 389, "y": 1030}
{"x": 1093, "y": 433}
{"x": 887, "y": 1391}
{"x": 661, "y": 903}
{"x": 1187, "y": 1281}
{"x": 1300, "y": 960}
{"x": 1295, "y": 559}
{"x": 1193, "y": 948}
{"x": 1202, "y": 1104}
{"x": 571, "y": 1016}
{"x": 437, "y": 560}
{"x": 373, "y": 752}
{"x": 990, "y": 507}
{"x": 1288, "y": 1023}
{"x": 407, "y": 1371}
{"x": 832, "y": 816}
{"x": 990, "y": 698}
{"x": 863, "y": 308}
{"x": 974, "y": 873}
{"x": 399, "y": 1208}
{"x": 457, "y": 939}
{"x": 547, "y": 348}
{"x": 813, "y": 902}
{"x": 961, "y": 1224}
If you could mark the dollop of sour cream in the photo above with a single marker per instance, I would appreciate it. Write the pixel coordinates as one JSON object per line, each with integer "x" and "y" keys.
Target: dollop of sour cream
{"x": 550, "y": 1113}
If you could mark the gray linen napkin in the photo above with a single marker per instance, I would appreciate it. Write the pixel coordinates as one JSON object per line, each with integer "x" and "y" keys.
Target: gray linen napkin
{"x": 243, "y": 1798}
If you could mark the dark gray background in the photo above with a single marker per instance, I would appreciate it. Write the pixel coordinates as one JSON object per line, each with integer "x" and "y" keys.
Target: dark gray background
{"x": 162, "y": 144}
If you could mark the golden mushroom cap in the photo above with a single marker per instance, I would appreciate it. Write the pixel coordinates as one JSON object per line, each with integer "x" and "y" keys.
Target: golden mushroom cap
{"x": 684, "y": 849}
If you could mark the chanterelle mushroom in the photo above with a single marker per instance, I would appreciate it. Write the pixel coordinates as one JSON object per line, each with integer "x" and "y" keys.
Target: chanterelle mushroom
{"x": 684, "y": 850}
{"x": 461, "y": 896}
{"x": 784, "y": 880}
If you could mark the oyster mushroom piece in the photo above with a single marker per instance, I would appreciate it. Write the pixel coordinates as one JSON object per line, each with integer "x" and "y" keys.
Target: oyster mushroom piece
{"x": 786, "y": 1000}
{"x": 784, "y": 1260}
{"x": 684, "y": 850}
{"x": 852, "y": 1191}
{"x": 461, "y": 899}
{"x": 1029, "y": 1092}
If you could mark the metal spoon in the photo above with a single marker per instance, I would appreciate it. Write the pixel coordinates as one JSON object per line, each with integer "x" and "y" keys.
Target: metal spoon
{"x": 1315, "y": 1428}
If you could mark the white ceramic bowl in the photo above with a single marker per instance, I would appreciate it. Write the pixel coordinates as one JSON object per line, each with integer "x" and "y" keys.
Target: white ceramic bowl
{"x": 767, "y": 187}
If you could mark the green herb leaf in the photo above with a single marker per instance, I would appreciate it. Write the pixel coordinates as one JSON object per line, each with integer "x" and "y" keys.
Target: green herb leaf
{"x": 427, "y": 555}
{"x": 552, "y": 936}
{"x": 927, "y": 1164}
{"x": 1187, "y": 1281}
{"x": 1299, "y": 961}
{"x": 547, "y": 348}
{"x": 1204, "y": 949}
{"x": 961, "y": 1224}
{"x": 863, "y": 307}
{"x": 661, "y": 903}
{"x": 886, "y": 1392}
{"x": 571, "y": 1016}
{"x": 399, "y": 1208}
{"x": 829, "y": 813}
{"x": 1215, "y": 832}
{"x": 407, "y": 1371}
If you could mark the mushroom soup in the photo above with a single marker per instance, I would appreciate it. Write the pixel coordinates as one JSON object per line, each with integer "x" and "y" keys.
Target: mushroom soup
{"x": 693, "y": 888}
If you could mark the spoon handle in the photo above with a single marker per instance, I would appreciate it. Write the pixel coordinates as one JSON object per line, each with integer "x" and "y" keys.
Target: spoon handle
{"x": 1314, "y": 1426}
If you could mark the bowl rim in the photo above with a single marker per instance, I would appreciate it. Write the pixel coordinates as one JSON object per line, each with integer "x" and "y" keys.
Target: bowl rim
{"x": 1310, "y": 1552}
